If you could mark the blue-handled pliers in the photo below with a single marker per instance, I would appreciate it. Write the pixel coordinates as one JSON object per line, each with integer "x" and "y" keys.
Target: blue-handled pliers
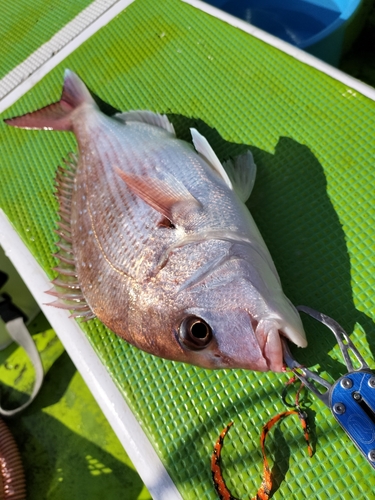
{"x": 351, "y": 398}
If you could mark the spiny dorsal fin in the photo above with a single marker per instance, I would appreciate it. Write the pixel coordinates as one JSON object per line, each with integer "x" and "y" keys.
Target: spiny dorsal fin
{"x": 67, "y": 288}
{"x": 149, "y": 117}
{"x": 242, "y": 172}
{"x": 204, "y": 149}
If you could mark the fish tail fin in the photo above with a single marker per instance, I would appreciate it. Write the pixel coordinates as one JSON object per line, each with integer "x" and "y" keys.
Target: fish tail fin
{"x": 57, "y": 116}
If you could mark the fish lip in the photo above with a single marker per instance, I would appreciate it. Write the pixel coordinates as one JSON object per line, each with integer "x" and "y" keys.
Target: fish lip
{"x": 268, "y": 334}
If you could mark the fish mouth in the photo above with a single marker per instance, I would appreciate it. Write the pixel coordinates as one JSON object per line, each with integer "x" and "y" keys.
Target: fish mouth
{"x": 268, "y": 333}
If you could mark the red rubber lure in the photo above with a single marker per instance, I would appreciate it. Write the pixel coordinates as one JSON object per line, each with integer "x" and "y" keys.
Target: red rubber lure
{"x": 217, "y": 476}
{"x": 265, "y": 489}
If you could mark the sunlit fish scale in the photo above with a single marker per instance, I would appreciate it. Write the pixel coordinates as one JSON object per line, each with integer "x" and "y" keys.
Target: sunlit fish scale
{"x": 164, "y": 251}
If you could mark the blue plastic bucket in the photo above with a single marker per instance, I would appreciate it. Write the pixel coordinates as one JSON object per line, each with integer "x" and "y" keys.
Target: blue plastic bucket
{"x": 322, "y": 27}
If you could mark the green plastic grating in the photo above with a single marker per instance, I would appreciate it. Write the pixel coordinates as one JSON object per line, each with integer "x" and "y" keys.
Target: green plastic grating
{"x": 313, "y": 142}
{"x": 26, "y": 25}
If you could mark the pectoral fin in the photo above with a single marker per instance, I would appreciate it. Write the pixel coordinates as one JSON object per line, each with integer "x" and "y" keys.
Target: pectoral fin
{"x": 242, "y": 172}
{"x": 169, "y": 196}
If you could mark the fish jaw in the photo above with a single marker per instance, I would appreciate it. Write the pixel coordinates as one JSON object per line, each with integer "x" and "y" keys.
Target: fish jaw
{"x": 274, "y": 325}
{"x": 281, "y": 321}
{"x": 268, "y": 333}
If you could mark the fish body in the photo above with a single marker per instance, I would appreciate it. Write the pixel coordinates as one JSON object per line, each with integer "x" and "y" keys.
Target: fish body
{"x": 158, "y": 244}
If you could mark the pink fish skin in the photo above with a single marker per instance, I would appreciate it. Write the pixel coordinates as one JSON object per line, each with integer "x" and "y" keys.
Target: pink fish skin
{"x": 157, "y": 243}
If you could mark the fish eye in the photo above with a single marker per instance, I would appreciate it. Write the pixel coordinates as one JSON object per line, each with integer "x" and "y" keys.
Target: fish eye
{"x": 195, "y": 333}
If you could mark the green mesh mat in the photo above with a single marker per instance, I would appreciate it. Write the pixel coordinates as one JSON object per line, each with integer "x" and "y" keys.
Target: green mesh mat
{"x": 26, "y": 25}
{"x": 313, "y": 142}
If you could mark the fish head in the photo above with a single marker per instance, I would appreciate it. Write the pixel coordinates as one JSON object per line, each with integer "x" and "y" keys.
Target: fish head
{"x": 243, "y": 321}
{"x": 234, "y": 338}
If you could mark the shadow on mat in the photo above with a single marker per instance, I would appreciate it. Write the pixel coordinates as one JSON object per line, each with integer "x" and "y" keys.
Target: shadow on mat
{"x": 299, "y": 224}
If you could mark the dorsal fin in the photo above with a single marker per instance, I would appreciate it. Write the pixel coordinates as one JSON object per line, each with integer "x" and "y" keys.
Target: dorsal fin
{"x": 204, "y": 149}
{"x": 242, "y": 172}
{"x": 57, "y": 116}
{"x": 147, "y": 117}
{"x": 67, "y": 288}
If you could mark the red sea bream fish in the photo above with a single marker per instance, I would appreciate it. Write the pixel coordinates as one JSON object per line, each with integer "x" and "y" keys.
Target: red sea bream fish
{"x": 157, "y": 243}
